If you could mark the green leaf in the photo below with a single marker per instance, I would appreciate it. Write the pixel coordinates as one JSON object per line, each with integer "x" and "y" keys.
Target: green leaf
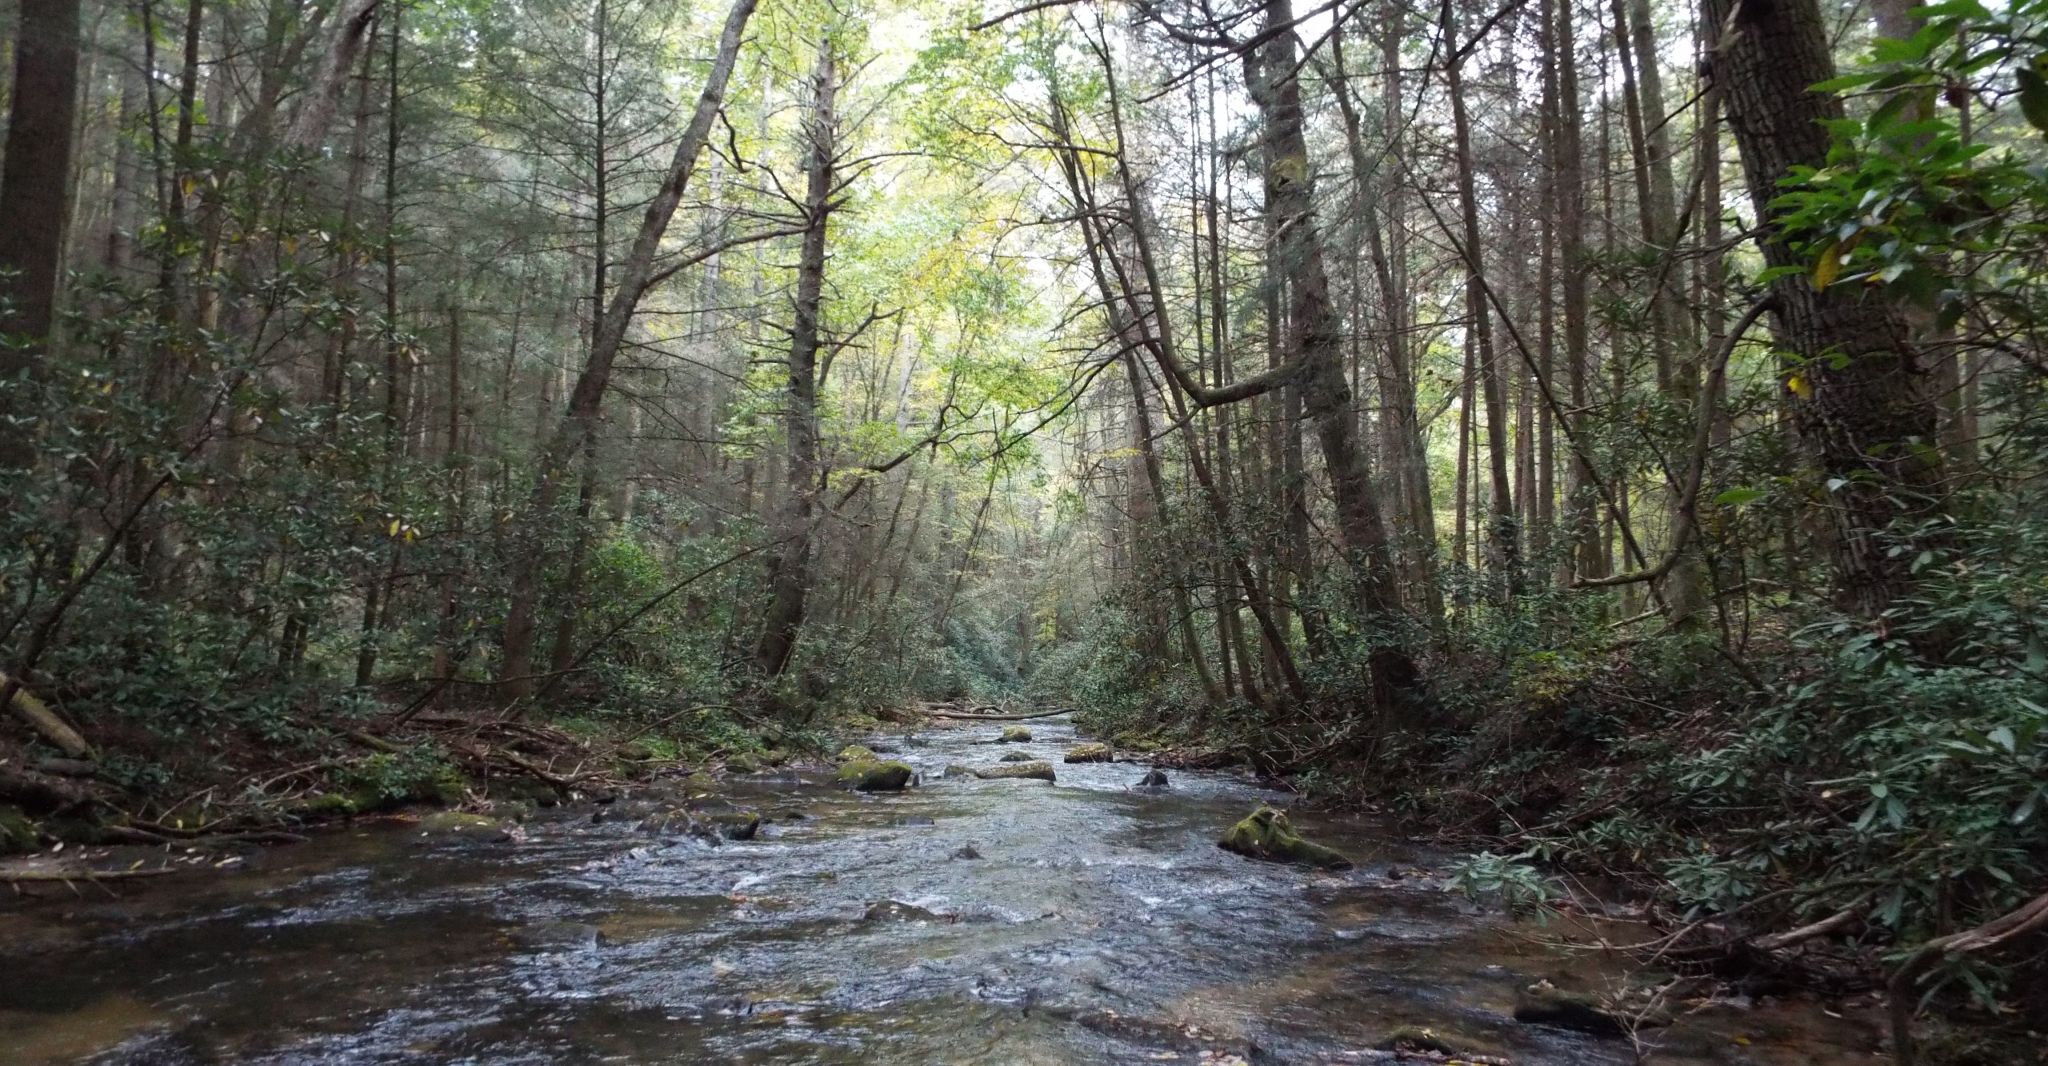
{"x": 1739, "y": 496}
{"x": 2033, "y": 97}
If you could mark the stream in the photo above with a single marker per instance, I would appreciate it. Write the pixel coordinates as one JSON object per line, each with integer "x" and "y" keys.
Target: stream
{"x": 1098, "y": 925}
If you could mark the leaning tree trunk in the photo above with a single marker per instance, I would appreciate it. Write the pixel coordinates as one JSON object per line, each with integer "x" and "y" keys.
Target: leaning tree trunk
{"x": 634, "y": 277}
{"x": 1858, "y": 402}
{"x": 1272, "y": 73}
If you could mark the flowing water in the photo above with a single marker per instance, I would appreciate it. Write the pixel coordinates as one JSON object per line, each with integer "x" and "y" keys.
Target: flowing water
{"x": 1098, "y": 925}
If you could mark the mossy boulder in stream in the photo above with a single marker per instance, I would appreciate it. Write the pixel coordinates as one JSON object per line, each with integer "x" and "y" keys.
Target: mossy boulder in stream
{"x": 1545, "y": 1004}
{"x": 874, "y": 775}
{"x": 1266, "y": 834}
{"x": 855, "y": 753}
{"x": 1034, "y": 771}
{"x": 1015, "y": 734}
{"x": 1090, "y": 753}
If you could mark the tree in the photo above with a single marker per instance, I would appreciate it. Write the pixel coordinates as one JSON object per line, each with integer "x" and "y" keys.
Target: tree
{"x": 35, "y": 189}
{"x": 1857, "y": 398}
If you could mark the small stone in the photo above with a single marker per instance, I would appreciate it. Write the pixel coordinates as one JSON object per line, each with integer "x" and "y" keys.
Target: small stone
{"x": 1015, "y": 756}
{"x": 965, "y": 851}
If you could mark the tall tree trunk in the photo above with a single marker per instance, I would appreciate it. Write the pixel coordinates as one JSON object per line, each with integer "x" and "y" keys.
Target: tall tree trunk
{"x": 35, "y": 183}
{"x": 1272, "y": 74}
{"x": 1865, "y": 422}
{"x": 789, "y": 565}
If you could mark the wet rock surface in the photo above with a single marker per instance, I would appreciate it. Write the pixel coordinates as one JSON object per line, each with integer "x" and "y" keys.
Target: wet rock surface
{"x": 1095, "y": 925}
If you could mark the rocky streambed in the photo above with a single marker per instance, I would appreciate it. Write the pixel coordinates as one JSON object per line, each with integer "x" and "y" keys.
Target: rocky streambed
{"x": 783, "y": 918}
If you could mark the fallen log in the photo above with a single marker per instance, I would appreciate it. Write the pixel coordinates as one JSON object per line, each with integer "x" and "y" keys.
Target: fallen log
{"x": 962, "y": 716}
{"x": 68, "y": 876}
{"x": 42, "y": 719}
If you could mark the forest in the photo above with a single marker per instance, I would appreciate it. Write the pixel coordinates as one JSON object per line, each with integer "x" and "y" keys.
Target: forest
{"x": 1593, "y": 442}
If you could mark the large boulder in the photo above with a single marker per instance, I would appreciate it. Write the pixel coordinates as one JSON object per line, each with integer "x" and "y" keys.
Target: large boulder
{"x": 1090, "y": 753}
{"x": 874, "y": 775}
{"x": 1015, "y": 734}
{"x": 1035, "y": 771}
{"x": 1266, "y": 834}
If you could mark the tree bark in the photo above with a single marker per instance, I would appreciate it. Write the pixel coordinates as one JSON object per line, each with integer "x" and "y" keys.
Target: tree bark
{"x": 789, "y": 565}
{"x": 35, "y": 184}
{"x": 1858, "y": 402}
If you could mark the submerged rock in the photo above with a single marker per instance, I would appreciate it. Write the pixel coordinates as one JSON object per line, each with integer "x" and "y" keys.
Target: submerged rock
{"x": 1266, "y": 834}
{"x": 1153, "y": 781}
{"x": 1545, "y": 1004}
{"x": 1036, "y": 771}
{"x": 1410, "y": 1040}
{"x": 965, "y": 851}
{"x": 462, "y": 823}
{"x": 1090, "y": 753}
{"x": 894, "y": 910}
{"x": 957, "y": 770}
{"x": 1015, "y": 734}
{"x": 734, "y": 825}
{"x": 873, "y": 775}
{"x": 556, "y": 936}
{"x": 1015, "y": 756}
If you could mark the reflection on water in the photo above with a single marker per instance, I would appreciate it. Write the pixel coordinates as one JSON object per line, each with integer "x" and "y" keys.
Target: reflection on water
{"x": 1098, "y": 925}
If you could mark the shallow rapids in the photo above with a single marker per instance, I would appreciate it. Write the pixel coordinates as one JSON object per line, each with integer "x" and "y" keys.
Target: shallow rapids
{"x": 1098, "y": 925}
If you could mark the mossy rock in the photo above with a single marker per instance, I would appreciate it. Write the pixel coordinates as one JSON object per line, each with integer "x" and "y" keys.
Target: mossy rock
{"x": 1016, "y": 734}
{"x": 460, "y": 823}
{"x": 1035, "y": 771}
{"x": 1266, "y": 834}
{"x": 743, "y": 763}
{"x": 1015, "y": 756}
{"x": 874, "y": 775}
{"x": 958, "y": 770}
{"x": 1545, "y": 1004}
{"x": 522, "y": 789}
{"x": 1412, "y": 1039}
{"x": 855, "y": 753}
{"x": 1090, "y": 753}
{"x": 17, "y": 833}
{"x": 774, "y": 757}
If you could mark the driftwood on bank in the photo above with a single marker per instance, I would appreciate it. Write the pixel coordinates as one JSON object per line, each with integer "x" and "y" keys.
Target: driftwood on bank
{"x": 42, "y": 719}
